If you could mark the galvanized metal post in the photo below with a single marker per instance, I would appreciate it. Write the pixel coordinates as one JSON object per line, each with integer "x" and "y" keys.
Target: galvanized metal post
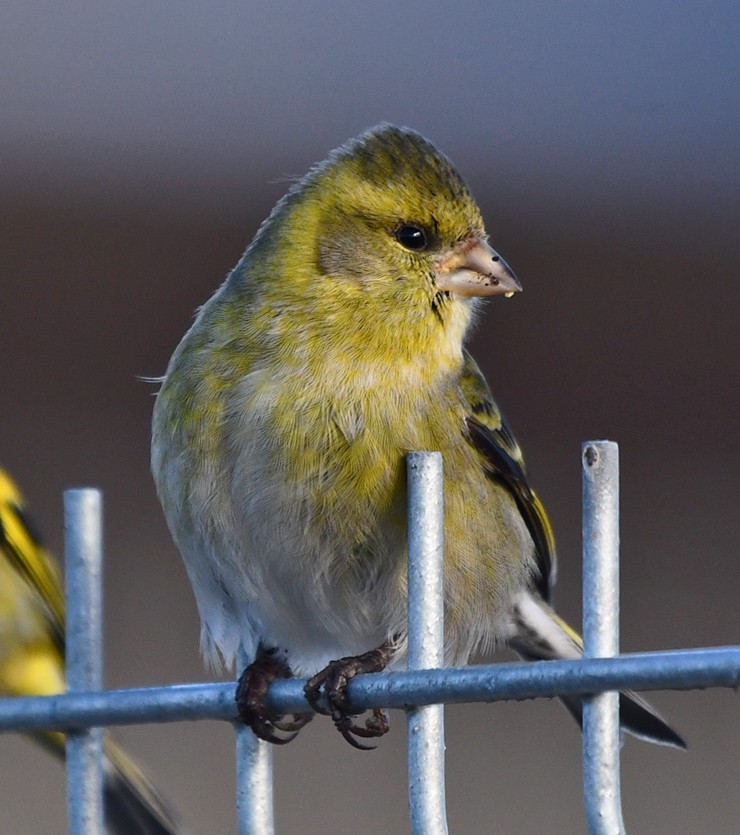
{"x": 601, "y": 734}
{"x": 84, "y": 653}
{"x": 426, "y": 744}
{"x": 254, "y": 796}
{"x": 601, "y": 668}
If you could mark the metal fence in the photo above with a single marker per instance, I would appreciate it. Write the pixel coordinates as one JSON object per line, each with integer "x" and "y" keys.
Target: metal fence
{"x": 421, "y": 691}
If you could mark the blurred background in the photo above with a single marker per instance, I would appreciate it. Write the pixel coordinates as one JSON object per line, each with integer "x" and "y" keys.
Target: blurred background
{"x": 141, "y": 146}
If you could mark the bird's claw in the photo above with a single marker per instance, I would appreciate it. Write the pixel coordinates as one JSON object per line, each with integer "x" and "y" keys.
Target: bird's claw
{"x": 251, "y": 700}
{"x": 375, "y": 725}
{"x": 332, "y": 681}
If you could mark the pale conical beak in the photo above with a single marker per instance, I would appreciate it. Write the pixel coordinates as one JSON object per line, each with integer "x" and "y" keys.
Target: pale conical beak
{"x": 475, "y": 269}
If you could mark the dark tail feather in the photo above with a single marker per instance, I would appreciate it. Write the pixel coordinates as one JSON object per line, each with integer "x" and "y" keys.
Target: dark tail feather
{"x": 132, "y": 804}
{"x": 538, "y": 634}
{"x": 636, "y": 717}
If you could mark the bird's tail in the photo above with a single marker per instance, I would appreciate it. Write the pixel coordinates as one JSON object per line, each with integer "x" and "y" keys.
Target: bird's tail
{"x": 132, "y": 802}
{"x": 133, "y": 806}
{"x": 539, "y": 634}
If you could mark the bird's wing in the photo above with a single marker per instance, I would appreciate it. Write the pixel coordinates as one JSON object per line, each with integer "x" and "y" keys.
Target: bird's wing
{"x": 488, "y": 431}
{"x": 537, "y": 632}
{"x": 21, "y": 547}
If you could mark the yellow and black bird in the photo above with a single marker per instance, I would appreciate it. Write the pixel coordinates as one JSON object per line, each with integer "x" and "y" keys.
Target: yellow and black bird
{"x": 335, "y": 347}
{"x": 32, "y": 663}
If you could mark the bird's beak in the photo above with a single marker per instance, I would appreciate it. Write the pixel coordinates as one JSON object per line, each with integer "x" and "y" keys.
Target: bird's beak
{"x": 475, "y": 269}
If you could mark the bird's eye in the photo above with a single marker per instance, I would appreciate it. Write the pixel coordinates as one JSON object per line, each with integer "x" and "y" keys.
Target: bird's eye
{"x": 411, "y": 237}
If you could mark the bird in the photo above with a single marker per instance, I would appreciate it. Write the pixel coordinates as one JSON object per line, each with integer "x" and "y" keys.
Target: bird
{"x": 32, "y": 642}
{"x": 336, "y": 346}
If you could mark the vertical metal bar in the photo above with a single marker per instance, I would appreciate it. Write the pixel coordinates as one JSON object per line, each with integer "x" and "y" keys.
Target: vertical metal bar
{"x": 426, "y": 639}
{"x": 84, "y": 653}
{"x": 601, "y": 735}
{"x": 254, "y": 803}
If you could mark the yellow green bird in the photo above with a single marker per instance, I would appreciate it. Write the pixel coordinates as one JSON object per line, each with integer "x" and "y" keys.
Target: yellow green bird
{"x": 32, "y": 663}
{"x": 335, "y": 347}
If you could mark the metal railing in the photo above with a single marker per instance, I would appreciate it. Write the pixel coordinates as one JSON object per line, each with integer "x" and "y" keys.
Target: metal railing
{"x": 421, "y": 691}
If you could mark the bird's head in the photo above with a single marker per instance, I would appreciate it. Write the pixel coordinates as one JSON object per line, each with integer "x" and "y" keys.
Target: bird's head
{"x": 386, "y": 217}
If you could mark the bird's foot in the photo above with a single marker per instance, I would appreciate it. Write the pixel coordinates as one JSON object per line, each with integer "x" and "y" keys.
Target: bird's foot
{"x": 251, "y": 700}
{"x": 333, "y": 681}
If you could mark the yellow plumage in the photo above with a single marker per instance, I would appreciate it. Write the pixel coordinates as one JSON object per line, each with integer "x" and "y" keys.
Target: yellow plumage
{"x": 334, "y": 348}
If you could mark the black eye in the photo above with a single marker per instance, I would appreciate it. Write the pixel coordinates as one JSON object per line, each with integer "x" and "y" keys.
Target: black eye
{"x": 411, "y": 237}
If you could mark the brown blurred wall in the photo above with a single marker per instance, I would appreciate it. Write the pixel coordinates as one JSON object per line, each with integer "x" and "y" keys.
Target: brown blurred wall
{"x": 627, "y": 329}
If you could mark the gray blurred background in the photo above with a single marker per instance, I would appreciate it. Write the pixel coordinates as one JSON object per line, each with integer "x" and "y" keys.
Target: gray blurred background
{"x": 141, "y": 146}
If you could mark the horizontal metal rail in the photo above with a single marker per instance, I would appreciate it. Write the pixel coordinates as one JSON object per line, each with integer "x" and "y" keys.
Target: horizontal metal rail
{"x": 674, "y": 670}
